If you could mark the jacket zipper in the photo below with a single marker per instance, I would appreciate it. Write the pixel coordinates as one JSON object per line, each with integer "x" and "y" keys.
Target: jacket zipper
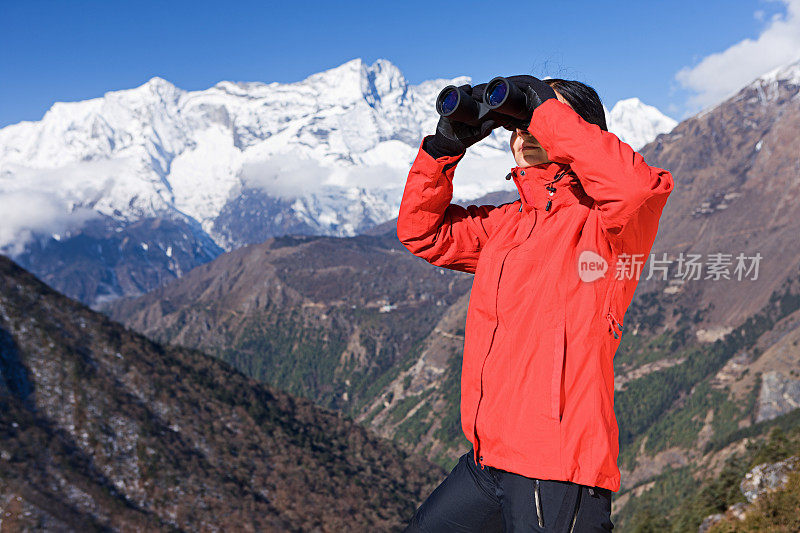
{"x": 538, "y": 500}
{"x": 497, "y": 324}
{"x": 614, "y": 325}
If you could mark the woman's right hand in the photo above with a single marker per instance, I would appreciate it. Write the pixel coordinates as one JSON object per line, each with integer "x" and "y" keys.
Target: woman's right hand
{"x": 453, "y": 138}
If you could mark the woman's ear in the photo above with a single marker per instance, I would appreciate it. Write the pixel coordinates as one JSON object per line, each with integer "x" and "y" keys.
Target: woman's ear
{"x": 560, "y": 98}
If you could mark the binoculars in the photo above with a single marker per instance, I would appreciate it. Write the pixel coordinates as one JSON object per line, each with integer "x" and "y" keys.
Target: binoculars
{"x": 501, "y": 100}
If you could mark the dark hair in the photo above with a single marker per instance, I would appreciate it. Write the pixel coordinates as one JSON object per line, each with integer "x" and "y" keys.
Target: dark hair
{"x": 582, "y": 98}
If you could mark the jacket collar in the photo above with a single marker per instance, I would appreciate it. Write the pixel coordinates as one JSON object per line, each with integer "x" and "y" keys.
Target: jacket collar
{"x": 538, "y": 185}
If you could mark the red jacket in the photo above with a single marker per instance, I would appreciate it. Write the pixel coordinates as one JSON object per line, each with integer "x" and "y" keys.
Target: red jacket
{"x": 537, "y": 381}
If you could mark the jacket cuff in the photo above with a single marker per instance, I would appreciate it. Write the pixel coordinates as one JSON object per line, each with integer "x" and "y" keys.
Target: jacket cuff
{"x": 435, "y": 159}
{"x": 543, "y": 121}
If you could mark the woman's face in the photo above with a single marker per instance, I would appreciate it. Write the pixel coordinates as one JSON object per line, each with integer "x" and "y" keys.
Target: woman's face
{"x": 526, "y": 149}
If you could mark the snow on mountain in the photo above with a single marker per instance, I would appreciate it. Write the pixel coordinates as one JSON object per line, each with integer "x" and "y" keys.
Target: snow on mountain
{"x": 329, "y": 154}
{"x": 637, "y": 123}
{"x": 766, "y": 85}
{"x": 788, "y": 73}
{"x": 345, "y": 135}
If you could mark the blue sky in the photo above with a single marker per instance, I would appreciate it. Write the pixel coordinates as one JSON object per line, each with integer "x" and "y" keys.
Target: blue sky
{"x": 64, "y": 51}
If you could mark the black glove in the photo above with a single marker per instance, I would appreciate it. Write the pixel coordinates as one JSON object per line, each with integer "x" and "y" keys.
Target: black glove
{"x": 453, "y": 138}
{"x": 538, "y": 92}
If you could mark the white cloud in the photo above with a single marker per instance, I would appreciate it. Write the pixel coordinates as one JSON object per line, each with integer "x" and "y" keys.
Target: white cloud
{"x": 285, "y": 176}
{"x": 29, "y": 213}
{"x": 375, "y": 177}
{"x": 720, "y": 75}
{"x": 46, "y": 201}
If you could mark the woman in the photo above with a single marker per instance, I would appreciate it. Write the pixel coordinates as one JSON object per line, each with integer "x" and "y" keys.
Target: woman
{"x": 552, "y": 284}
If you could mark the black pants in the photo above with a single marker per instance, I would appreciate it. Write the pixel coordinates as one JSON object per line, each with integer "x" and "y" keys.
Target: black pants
{"x": 471, "y": 499}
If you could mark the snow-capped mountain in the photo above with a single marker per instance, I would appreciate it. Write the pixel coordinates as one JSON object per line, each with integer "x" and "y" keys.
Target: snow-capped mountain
{"x": 336, "y": 144}
{"x": 233, "y": 164}
{"x": 637, "y": 123}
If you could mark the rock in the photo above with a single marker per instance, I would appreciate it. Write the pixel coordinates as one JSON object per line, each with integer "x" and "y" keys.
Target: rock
{"x": 779, "y": 395}
{"x": 767, "y": 477}
{"x": 709, "y": 521}
{"x": 733, "y": 370}
{"x": 762, "y": 478}
{"x": 737, "y": 511}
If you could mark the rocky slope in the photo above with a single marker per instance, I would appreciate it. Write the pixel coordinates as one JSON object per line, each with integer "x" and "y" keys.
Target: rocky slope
{"x": 102, "y": 429}
{"x": 736, "y": 167}
{"x": 337, "y": 320}
{"x": 105, "y": 259}
{"x": 756, "y": 489}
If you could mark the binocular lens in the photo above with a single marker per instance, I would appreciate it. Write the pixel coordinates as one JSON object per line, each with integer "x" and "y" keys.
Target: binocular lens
{"x": 456, "y": 104}
{"x": 496, "y": 93}
{"x": 506, "y": 98}
{"x": 449, "y": 102}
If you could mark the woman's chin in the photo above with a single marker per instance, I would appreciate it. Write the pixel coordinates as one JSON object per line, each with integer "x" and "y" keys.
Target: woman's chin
{"x": 530, "y": 157}
{"x": 533, "y": 161}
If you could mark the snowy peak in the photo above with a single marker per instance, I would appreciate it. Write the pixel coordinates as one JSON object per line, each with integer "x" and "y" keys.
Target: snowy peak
{"x": 637, "y": 123}
{"x": 156, "y": 86}
{"x": 381, "y": 78}
{"x": 787, "y": 73}
{"x": 241, "y": 88}
{"x": 339, "y": 85}
{"x": 355, "y": 80}
{"x": 340, "y": 138}
{"x": 157, "y": 91}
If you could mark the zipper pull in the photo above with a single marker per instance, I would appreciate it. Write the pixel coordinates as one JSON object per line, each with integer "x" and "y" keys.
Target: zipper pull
{"x": 611, "y": 325}
{"x": 614, "y": 324}
{"x": 552, "y": 191}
